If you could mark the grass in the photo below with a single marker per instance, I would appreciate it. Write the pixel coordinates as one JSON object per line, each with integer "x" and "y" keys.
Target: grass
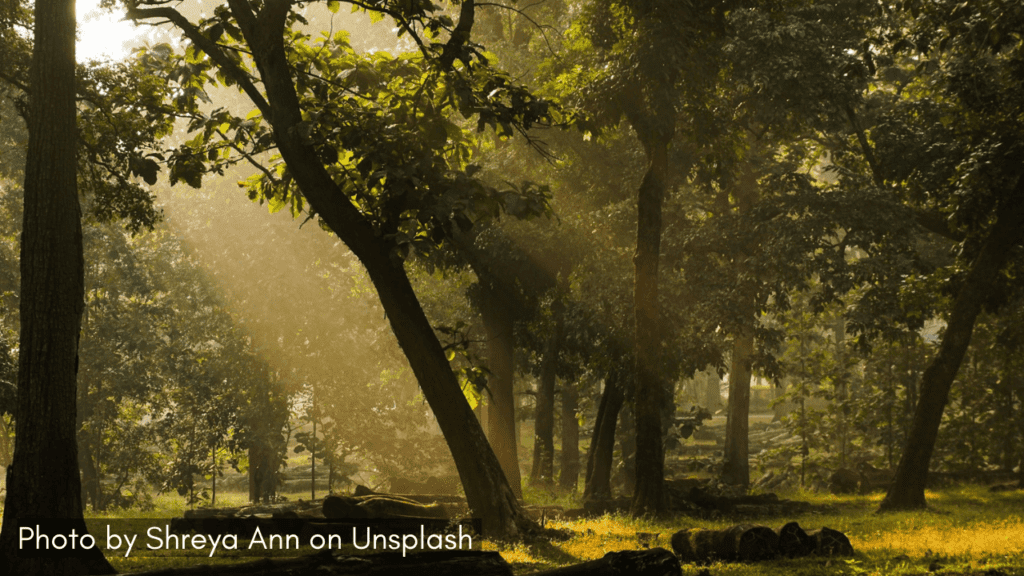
{"x": 965, "y": 530}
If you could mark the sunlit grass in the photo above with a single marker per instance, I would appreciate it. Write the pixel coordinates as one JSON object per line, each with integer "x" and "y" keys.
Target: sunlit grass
{"x": 965, "y": 530}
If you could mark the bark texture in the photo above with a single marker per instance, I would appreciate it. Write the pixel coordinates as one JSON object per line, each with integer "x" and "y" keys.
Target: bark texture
{"x": 907, "y": 488}
{"x": 649, "y": 392}
{"x": 496, "y": 309}
{"x": 597, "y": 483}
{"x": 543, "y": 471}
{"x": 43, "y": 479}
{"x": 736, "y": 466}
{"x": 569, "y": 465}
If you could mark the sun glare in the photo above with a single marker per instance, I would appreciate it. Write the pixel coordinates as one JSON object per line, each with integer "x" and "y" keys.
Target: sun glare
{"x": 103, "y": 34}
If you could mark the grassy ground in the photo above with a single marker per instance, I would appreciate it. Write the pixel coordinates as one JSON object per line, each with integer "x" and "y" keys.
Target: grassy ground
{"x": 966, "y": 530}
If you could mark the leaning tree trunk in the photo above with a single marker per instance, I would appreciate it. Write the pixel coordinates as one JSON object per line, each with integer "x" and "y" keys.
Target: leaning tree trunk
{"x": 907, "y": 488}
{"x": 487, "y": 491}
{"x": 501, "y": 417}
{"x": 597, "y": 482}
{"x": 43, "y": 479}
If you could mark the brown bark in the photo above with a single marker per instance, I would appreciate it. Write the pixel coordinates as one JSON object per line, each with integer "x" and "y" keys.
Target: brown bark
{"x": 487, "y": 491}
{"x": 43, "y": 479}
{"x": 543, "y": 471}
{"x": 653, "y": 562}
{"x": 501, "y": 418}
{"x": 649, "y": 392}
{"x": 740, "y": 543}
{"x": 569, "y": 468}
{"x": 597, "y": 483}
{"x": 907, "y": 488}
{"x": 736, "y": 466}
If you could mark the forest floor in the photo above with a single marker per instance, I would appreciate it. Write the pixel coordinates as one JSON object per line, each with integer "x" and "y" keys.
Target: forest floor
{"x": 966, "y": 530}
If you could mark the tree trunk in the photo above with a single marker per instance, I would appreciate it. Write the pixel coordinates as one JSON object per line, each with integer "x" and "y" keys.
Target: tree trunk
{"x": 712, "y": 391}
{"x": 312, "y": 462}
{"x": 597, "y": 484}
{"x": 262, "y": 472}
{"x": 627, "y": 449}
{"x": 907, "y": 488}
{"x": 43, "y": 479}
{"x": 5, "y": 443}
{"x": 569, "y": 471}
{"x": 501, "y": 422}
{"x": 543, "y": 471}
{"x": 736, "y": 467}
{"x": 649, "y": 391}
{"x": 487, "y": 491}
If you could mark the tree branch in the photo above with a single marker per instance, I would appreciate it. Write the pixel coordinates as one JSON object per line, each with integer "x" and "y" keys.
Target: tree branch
{"x": 191, "y": 31}
{"x": 460, "y": 35}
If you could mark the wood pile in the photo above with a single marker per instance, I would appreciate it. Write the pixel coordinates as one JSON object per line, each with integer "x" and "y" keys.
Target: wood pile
{"x": 750, "y": 543}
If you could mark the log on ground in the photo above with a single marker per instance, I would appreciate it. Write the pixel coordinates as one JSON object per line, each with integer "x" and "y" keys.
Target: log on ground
{"x": 829, "y": 542}
{"x": 453, "y": 563}
{"x": 794, "y": 542}
{"x": 653, "y": 562}
{"x": 380, "y": 506}
{"x": 740, "y": 543}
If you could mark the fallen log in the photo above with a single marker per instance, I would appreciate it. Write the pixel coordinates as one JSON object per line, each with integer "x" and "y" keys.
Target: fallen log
{"x": 794, "y": 542}
{"x": 740, "y": 543}
{"x": 653, "y": 562}
{"x": 449, "y": 563}
{"x": 380, "y": 506}
{"x": 829, "y": 542}
{"x": 361, "y": 491}
{"x": 455, "y": 563}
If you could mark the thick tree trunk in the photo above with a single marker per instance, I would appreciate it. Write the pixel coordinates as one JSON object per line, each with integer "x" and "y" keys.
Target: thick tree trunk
{"x": 496, "y": 309}
{"x": 543, "y": 471}
{"x": 487, "y": 492}
{"x": 736, "y": 468}
{"x": 907, "y": 489}
{"x": 569, "y": 469}
{"x": 649, "y": 391}
{"x": 43, "y": 480}
{"x": 597, "y": 483}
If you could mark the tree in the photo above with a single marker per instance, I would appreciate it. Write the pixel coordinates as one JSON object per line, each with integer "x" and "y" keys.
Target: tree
{"x": 43, "y": 479}
{"x": 650, "y": 54}
{"x": 953, "y": 148}
{"x": 382, "y": 196}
